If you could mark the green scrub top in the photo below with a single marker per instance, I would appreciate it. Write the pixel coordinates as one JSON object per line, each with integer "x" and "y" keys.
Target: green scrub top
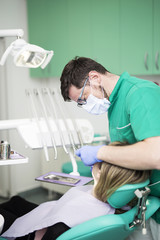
{"x": 134, "y": 113}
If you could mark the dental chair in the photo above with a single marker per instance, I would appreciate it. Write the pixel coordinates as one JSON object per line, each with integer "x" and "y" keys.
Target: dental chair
{"x": 118, "y": 226}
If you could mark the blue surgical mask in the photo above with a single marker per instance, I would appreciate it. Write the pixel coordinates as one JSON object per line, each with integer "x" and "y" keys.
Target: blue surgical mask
{"x": 96, "y": 105}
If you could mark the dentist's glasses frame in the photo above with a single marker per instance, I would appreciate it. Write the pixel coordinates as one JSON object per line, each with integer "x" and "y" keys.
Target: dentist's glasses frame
{"x": 81, "y": 101}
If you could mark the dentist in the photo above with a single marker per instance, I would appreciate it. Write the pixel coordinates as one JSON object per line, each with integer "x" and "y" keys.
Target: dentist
{"x": 133, "y": 107}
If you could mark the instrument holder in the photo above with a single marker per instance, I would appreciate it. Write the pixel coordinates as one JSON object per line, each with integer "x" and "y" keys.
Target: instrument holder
{"x": 139, "y": 218}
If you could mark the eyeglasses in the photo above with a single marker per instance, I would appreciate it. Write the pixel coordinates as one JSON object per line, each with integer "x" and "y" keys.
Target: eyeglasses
{"x": 81, "y": 101}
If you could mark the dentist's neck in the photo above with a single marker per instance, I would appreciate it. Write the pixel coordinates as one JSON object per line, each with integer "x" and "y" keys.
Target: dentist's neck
{"x": 109, "y": 82}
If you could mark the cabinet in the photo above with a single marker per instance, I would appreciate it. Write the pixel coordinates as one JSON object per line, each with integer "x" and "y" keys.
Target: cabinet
{"x": 140, "y": 36}
{"x": 75, "y": 28}
{"x": 78, "y": 28}
{"x": 48, "y": 28}
{"x": 93, "y": 32}
{"x": 122, "y": 35}
{"x": 136, "y": 36}
{"x": 105, "y": 33}
{"x": 156, "y": 37}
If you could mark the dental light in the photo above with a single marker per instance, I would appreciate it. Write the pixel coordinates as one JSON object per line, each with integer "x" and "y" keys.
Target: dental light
{"x": 25, "y": 54}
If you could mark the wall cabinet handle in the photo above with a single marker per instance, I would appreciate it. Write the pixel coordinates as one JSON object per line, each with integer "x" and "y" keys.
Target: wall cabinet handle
{"x": 156, "y": 60}
{"x": 145, "y": 60}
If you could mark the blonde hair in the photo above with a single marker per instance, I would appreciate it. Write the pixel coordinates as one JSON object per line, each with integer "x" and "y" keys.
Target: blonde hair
{"x": 112, "y": 177}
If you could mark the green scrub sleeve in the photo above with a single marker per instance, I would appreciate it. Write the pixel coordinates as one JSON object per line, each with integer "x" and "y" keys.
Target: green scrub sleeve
{"x": 143, "y": 107}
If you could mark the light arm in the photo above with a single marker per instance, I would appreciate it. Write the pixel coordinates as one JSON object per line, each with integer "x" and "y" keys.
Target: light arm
{"x": 11, "y": 33}
{"x": 5, "y": 55}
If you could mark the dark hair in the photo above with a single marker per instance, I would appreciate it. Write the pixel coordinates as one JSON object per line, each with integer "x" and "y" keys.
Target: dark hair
{"x": 76, "y": 71}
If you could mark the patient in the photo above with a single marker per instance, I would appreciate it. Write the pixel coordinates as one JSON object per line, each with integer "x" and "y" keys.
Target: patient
{"x": 50, "y": 219}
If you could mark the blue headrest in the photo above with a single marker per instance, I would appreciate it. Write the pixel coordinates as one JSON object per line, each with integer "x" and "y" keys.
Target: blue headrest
{"x": 125, "y": 194}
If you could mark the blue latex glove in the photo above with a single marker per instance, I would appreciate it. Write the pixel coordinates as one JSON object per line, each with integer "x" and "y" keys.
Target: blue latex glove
{"x": 88, "y": 154}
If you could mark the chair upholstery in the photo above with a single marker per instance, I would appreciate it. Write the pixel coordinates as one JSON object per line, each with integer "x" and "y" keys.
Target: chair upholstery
{"x": 116, "y": 226}
{"x": 110, "y": 227}
{"x": 125, "y": 194}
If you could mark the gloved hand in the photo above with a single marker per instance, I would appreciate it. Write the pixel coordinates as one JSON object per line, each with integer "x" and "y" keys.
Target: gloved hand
{"x": 88, "y": 154}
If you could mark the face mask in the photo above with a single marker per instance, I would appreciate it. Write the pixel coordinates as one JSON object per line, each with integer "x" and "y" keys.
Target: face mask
{"x": 96, "y": 105}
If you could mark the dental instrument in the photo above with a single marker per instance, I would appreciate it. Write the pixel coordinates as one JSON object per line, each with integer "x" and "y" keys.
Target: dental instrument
{"x": 30, "y": 133}
{"x": 74, "y": 123}
{"x": 39, "y": 94}
{"x": 47, "y": 90}
{"x": 34, "y": 111}
{"x": 66, "y": 123}
{"x": 71, "y": 155}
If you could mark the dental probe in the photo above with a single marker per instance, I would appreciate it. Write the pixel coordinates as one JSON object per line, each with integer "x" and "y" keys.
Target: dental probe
{"x": 62, "y": 111}
{"x": 56, "y": 117}
{"x": 79, "y": 135}
{"x": 47, "y": 121}
{"x": 34, "y": 111}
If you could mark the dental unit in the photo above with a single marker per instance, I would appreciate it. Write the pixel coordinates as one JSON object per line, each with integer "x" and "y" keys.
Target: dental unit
{"x": 50, "y": 127}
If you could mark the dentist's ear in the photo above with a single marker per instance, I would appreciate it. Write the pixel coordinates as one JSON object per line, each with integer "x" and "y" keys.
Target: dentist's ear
{"x": 94, "y": 76}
